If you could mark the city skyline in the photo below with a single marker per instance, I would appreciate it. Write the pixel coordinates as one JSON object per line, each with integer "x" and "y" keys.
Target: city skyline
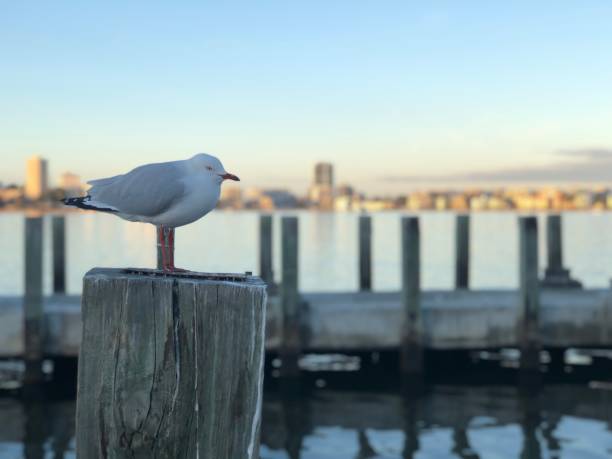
{"x": 591, "y": 167}
{"x": 325, "y": 195}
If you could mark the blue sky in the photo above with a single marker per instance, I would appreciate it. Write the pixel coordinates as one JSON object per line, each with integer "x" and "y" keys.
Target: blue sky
{"x": 436, "y": 90}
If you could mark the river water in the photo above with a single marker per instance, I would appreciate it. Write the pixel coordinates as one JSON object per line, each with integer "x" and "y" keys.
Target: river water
{"x": 227, "y": 241}
{"x": 468, "y": 422}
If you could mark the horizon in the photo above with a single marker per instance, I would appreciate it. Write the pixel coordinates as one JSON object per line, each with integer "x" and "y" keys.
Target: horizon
{"x": 394, "y": 95}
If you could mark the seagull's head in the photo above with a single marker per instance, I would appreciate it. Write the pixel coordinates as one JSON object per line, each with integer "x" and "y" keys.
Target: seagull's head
{"x": 212, "y": 167}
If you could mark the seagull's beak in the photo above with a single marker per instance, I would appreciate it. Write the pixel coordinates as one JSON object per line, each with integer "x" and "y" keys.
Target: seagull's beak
{"x": 228, "y": 176}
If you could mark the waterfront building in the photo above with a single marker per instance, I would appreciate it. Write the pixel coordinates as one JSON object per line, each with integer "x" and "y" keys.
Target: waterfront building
{"x": 321, "y": 193}
{"x": 71, "y": 184}
{"x": 36, "y": 178}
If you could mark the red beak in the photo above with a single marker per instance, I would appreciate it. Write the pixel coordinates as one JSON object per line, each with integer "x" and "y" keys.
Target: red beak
{"x": 228, "y": 176}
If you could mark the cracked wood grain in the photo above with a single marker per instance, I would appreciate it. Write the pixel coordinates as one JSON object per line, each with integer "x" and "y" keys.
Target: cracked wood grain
{"x": 170, "y": 367}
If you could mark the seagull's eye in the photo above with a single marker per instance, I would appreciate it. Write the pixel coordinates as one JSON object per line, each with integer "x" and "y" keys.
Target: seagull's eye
{"x": 209, "y": 168}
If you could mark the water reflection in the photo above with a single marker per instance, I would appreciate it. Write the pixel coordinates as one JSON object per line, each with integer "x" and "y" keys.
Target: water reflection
{"x": 445, "y": 422}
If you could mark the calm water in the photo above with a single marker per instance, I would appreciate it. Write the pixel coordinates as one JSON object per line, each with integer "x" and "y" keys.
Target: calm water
{"x": 569, "y": 422}
{"x": 227, "y": 241}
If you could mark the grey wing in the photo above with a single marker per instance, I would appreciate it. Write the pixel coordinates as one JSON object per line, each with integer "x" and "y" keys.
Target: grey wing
{"x": 147, "y": 190}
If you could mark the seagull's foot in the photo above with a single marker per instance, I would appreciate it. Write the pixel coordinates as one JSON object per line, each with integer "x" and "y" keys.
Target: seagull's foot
{"x": 174, "y": 269}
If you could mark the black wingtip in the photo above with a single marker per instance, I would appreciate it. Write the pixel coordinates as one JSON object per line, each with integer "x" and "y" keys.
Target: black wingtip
{"x": 82, "y": 203}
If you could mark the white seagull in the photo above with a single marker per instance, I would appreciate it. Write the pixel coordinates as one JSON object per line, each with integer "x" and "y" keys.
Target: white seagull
{"x": 167, "y": 195}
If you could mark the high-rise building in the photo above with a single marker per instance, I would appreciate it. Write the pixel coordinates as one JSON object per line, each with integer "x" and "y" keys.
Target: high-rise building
{"x": 324, "y": 174}
{"x": 36, "y": 178}
{"x": 322, "y": 190}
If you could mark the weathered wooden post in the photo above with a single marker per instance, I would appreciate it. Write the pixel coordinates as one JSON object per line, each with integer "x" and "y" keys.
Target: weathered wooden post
{"x": 290, "y": 300}
{"x": 33, "y": 300}
{"x": 163, "y": 246}
{"x": 170, "y": 365}
{"x": 554, "y": 242}
{"x": 462, "y": 252}
{"x": 411, "y": 355}
{"x": 528, "y": 333}
{"x": 365, "y": 253}
{"x": 556, "y": 275}
{"x": 59, "y": 254}
{"x": 265, "y": 249}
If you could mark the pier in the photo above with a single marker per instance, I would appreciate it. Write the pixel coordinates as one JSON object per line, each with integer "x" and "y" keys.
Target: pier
{"x": 537, "y": 316}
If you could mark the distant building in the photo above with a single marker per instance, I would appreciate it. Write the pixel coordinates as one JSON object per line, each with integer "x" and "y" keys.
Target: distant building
{"x": 321, "y": 192}
{"x": 36, "y": 178}
{"x": 345, "y": 198}
{"x": 10, "y": 195}
{"x": 420, "y": 201}
{"x": 71, "y": 184}
{"x": 324, "y": 174}
{"x": 276, "y": 199}
{"x": 459, "y": 202}
{"x": 441, "y": 202}
{"x": 583, "y": 199}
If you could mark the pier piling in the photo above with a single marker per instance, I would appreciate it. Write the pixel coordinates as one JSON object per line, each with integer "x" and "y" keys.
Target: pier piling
{"x": 529, "y": 294}
{"x": 33, "y": 301}
{"x": 365, "y": 253}
{"x": 265, "y": 250}
{"x": 59, "y": 254}
{"x": 290, "y": 346}
{"x": 462, "y": 252}
{"x": 411, "y": 355}
{"x": 170, "y": 366}
{"x": 556, "y": 275}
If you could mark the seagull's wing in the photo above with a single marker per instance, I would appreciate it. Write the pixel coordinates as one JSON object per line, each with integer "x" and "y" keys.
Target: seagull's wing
{"x": 147, "y": 191}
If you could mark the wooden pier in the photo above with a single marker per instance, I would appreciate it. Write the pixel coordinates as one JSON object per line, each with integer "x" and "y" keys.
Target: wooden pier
{"x": 536, "y": 316}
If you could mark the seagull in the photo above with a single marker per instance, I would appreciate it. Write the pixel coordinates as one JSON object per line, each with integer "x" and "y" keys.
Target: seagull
{"x": 167, "y": 195}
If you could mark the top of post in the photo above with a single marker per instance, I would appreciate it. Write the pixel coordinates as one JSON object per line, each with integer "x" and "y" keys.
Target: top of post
{"x": 245, "y": 279}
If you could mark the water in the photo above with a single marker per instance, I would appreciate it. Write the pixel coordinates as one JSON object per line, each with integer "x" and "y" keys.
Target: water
{"x": 486, "y": 422}
{"x": 228, "y": 242}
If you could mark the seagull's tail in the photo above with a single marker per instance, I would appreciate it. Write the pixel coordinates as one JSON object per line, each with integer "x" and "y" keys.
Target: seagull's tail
{"x": 85, "y": 202}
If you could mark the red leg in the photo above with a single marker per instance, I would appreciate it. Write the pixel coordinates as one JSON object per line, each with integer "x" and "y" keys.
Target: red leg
{"x": 171, "y": 242}
{"x": 162, "y": 241}
{"x": 171, "y": 249}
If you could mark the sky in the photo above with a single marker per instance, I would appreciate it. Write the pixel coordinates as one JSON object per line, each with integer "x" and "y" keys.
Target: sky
{"x": 397, "y": 94}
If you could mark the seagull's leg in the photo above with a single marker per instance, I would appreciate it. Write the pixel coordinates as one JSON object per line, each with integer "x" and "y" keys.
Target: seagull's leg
{"x": 171, "y": 249}
{"x": 171, "y": 240}
{"x": 162, "y": 241}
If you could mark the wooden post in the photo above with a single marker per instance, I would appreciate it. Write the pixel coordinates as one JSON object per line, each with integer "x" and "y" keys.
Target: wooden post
{"x": 290, "y": 300}
{"x": 553, "y": 242}
{"x": 265, "y": 249}
{"x": 33, "y": 300}
{"x": 411, "y": 363}
{"x": 462, "y": 252}
{"x": 365, "y": 253}
{"x": 556, "y": 275}
{"x": 529, "y": 339}
{"x": 59, "y": 254}
{"x": 170, "y": 366}
{"x": 168, "y": 233}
